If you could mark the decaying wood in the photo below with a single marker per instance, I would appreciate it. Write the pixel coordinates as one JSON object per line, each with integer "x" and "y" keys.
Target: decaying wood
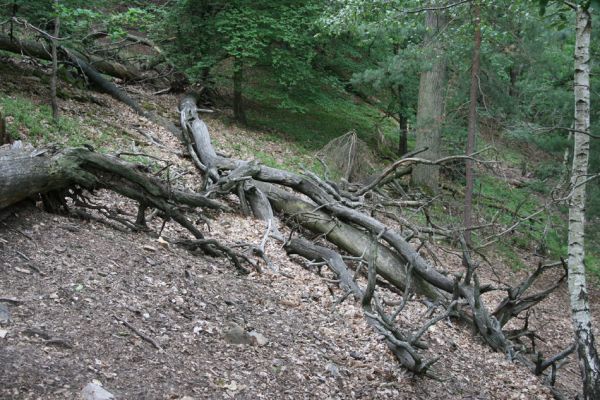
{"x": 104, "y": 85}
{"x": 26, "y": 173}
{"x": 336, "y": 216}
{"x": 39, "y": 50}
{"x": 402, "y": 344}
{"x": 347, "y": 237}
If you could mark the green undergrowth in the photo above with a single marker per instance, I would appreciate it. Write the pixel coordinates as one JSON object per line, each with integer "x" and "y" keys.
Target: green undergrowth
{"x": 318, "y": 125}
{"x": 546, "y": 233}
{"x": 33, "y": 123}
{"x": 312, "y": 115}
{"x": 496, "y": 199}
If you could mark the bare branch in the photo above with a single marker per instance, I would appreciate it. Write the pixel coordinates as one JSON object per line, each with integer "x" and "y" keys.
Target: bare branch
{"x": 436, "y": 8}
{"x": 415, "y": 160}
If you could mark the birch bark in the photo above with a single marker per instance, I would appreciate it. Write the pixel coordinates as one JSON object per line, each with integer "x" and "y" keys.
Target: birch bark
{"x": 589, "y": 364}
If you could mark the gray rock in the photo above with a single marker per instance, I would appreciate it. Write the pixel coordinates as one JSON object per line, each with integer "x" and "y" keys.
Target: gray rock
{"x": 235, "y": 334}
{"x": 258, "y": 339}
{"x": 278, "y": 362}
{"x": 91, "y": 391}
{"x": 333, "y": 370}
{"x": 4, "y": 314}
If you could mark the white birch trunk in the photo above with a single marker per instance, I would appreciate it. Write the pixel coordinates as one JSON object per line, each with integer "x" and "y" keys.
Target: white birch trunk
{"x": 589, "y": 363}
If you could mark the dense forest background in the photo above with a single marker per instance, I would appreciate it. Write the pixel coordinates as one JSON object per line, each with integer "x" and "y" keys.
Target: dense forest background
{"x": 398, "y": 76}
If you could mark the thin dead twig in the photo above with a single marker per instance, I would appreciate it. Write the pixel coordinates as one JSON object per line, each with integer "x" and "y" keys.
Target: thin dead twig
{"x": 416, "y": 160}
{"x": 140, "y": 334}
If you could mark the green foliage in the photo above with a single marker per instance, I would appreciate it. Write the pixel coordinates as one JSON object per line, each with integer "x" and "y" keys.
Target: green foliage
{"x": 556, "y": 141}
{"x": 330, "y": 114}
{"x": 275, "y": 36}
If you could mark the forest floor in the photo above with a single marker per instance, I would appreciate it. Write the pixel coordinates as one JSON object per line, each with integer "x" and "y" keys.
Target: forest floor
{"x": 70, "y": 284}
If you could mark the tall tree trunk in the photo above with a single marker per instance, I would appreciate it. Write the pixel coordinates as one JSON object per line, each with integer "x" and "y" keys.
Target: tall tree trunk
{"x": 472, "y": 130}
{"x": 430, "y": 111}
{"x": 238, "y": 81}
{"x": 589, "y": 364}
{"x": 15, "y": 7}
{"x": 54, "y": 64}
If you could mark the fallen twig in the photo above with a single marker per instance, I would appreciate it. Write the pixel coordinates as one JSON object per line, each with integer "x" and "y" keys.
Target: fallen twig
{"x": 137, "y": 332}
{"x": 11, "y": 300}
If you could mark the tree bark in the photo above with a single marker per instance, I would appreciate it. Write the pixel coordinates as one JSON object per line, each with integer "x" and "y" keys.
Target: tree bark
{"x": 589, "y": 363}
{"x": 403, "y": 135}
{"x": 25, "y": 173}
{"x": 344, "y": 236}
{"x": 472, "y": 129}
{"x": 37, "y": 50}
{"x": 238, "y": 83}
{"x": 430, "y": 110}
{"x": 53, "y": 99}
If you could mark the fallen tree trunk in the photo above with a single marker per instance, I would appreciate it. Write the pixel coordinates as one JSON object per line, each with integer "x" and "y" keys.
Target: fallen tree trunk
{"x": 39, "y": 50}
{"x": 331, "y": 214}
{"x": 25, "y": 173}
{"x": 28, "y": 172}
{"x": 56, "y": 174}
{"x": 102, "y": 84}
{"x": 400, "y": 344}
{"x": 344, "y": 236}
{"x": 335, "y": 215}
{"x": 325, "y": 211}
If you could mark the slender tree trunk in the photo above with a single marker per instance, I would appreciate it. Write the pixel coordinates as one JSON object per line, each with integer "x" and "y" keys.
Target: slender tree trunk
{"x": 238, "y": 80}
{"x": 53, "y": 99}
{"x": 472, "y": 130}
{"x": 430, "y": 111}
{"x": 4, "y": 136}
{"x": 589, "y": 364}
{"x": 403, "y": 135}
{"x": 513, "y": 72}
{"x": 15, "y": 7}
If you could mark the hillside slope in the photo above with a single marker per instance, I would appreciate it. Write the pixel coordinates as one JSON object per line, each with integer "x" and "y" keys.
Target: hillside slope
{"x": 72, "y": 281}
